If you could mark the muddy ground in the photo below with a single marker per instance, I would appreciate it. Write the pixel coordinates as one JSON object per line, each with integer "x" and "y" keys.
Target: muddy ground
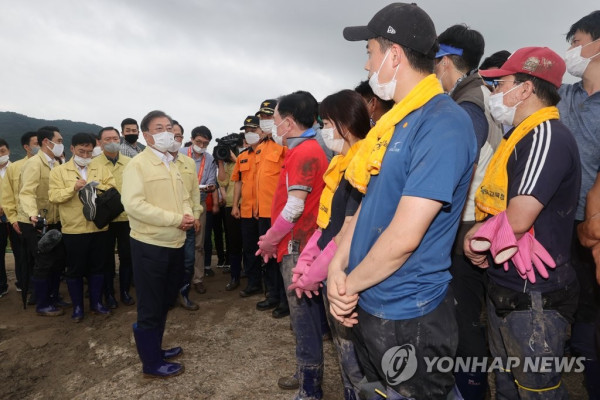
{"x": 231, "y": 351}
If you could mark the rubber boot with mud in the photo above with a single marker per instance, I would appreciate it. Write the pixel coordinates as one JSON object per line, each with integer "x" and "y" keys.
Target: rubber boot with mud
{"x": 42, "y": 294}
{"x": 310, "y": 378}
{"x": 147, "y": 342}
{"x": 95, "y": 284}
{"x": 75, "y": 286}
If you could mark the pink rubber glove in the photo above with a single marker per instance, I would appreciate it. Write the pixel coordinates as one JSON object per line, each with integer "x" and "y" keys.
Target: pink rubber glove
{"x": 482, "y": 239}
{"x": 504, "y": 243}
{"x": 532, "y": 254}
{"x": 267, "y": 243}
{"x": 311, "y": 280}
{"x": 308, "y": 255}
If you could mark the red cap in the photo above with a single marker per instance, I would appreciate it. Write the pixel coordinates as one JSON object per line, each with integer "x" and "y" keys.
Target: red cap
{"x": 540, "y": 62}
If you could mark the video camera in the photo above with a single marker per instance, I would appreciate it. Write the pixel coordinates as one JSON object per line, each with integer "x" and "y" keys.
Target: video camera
{"x": 226, "y": 144}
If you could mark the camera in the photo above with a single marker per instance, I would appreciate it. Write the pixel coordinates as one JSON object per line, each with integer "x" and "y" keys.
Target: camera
{"x": 226, "y": 144}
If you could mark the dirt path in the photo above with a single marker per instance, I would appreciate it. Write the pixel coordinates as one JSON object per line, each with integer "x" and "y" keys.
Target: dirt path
{"x": 231, "y": 351}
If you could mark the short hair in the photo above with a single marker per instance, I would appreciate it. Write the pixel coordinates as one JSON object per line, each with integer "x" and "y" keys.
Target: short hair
{"x": 544, "y": 90}
{"x": 106, "y": 129}
{"x": 589, "y": 24}
{"x": 201, "y": 131}
{"x": 366, "y": 91}
{"x": 4, "y": 143}
{"x": 153, "y": 115}
{"x": 83, "y": 138}
{"x": 45, "y": 134}
{"x": 347, "y": 107}
{"x": 496, "y": 60}
{"x": 128, "y": 121}
{"x": 469, "y": 40}
{"x": 418, "y": 61}
{"x": 178, "y": 124}
{"x": 49, "y": 128}
{"x": 300, "y": 105}
{"x": 26, "y": 138}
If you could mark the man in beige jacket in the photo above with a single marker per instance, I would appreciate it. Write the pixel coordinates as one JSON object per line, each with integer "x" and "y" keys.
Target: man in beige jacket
{"x": 159, "y": 212}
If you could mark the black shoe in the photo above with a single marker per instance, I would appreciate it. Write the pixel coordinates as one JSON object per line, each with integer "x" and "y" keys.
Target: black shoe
{"x": 111, "y": 302}
{"x": 233, "y": 284}
{"x": 60, "y": 302}
{"x": 185, "y": 302}
{"x": 127, "y": 299}
{"x": 281, "y": 311}
{"x": 209, "y": 272}
{"x": 250, "y": 291}
{"x": 267, "y": 304}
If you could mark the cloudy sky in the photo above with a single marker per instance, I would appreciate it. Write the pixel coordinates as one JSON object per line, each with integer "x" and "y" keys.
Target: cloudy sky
{"x": 212, "y": 62}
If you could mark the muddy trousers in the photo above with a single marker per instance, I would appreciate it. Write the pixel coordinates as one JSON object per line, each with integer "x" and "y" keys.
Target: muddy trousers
{"x": 394, "y": 351}
{"x": 158, "y": 274}
{"x": 350, "y": 369}
{"x": 307, "y": 317}
{"x": 527, "y": 333}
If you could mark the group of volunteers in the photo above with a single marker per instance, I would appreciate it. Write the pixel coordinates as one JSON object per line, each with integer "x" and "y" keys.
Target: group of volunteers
{"x": 444, "y": 209}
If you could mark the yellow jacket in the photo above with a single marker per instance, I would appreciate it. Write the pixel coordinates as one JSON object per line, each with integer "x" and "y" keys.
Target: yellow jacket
{"x": 228, "y": 184}
{"x": 117, "y": 172}
{"x": 33, "y": 192}
{"x": 10, "y": 189}
{"x": 62, "y": 192}
{"x": 155, "y": 199}
{"x": 187, "y": 168}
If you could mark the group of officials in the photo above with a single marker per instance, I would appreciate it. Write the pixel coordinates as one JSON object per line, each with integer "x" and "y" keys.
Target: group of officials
{"x": 474, "y": 191}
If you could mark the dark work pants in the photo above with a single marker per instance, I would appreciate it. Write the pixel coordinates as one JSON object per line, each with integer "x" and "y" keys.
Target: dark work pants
{"x": 8, "y": 233}
{"x": 469, "y": 284}
{"x": 86, "y": 254}
{"x": 41, "y": 265}
{"x": 432, "y": 335}
{"x": 249, "y": 229}
{"x": 234, "y": 243}
{"x": 272, "y": 274}
{"x": 158, "y": 272}
{"x": 118, "y": 232}
{"x": 214, "y": 224}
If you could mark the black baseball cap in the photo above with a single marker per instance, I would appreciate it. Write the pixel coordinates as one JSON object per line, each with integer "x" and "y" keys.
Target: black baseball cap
{"x": 402, "y": 23}
{"x": 267, "y": 107}
{"x": 251, "y": 121}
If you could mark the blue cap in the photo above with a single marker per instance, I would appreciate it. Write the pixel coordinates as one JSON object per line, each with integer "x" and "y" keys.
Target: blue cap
{"x": 447, "y": 50}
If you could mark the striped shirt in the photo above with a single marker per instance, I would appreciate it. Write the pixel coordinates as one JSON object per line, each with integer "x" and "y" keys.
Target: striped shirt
{"x": 545, "y": 164}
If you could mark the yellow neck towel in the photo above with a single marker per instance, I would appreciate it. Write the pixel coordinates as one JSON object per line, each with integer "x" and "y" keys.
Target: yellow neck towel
{"x": 332, "y": 178}
{"x": 368, "y": 159}
{"x": 491, "y": 197}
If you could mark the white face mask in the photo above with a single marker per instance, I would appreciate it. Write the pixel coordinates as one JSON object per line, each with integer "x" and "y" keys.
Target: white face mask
{"x": 251, "y": 138}
{"x": 163, "y": 141}
{"x": 266, "y": 125}
{"x": 175, "y": 147}
{"x": 501, "y": 112}
{"x": 332, "y": 143}
{"x": 58, "y": 149}
{"x": 112, "y": 147}
{"x": 3, "y": 159}
{"x": 385, "y": 91}
{"x": 576, "y": 64}
{"x": 198, "y": 149}
{"x": 97, "y": 151}
{"x": 277, "y": 139}
{"x": 82, "y": 162}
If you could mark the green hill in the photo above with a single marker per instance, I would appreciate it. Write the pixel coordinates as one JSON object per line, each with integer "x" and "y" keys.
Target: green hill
{"x": 14, "y": 125}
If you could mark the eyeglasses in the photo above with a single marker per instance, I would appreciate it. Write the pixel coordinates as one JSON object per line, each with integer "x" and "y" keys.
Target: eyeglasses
{"x": 495, "y": 83}
{"x": 178, "y": 136}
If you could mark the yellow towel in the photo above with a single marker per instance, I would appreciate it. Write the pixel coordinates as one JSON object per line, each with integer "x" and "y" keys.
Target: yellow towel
{"x": 491, "y": 197}
{"x": 368, "y": 159}
{"x": 332, "y": 178}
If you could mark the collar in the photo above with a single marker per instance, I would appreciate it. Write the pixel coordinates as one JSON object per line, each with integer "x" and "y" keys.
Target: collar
{"x": 164, "y": 157}
{"x": 310, "y": 132}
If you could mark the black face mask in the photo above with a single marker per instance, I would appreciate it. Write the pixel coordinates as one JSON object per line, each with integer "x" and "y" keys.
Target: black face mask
{"x": 131, "y": 139}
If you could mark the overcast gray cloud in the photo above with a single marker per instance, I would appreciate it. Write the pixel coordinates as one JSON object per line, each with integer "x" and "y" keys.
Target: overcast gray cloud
{"x": 212, "y": 62}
